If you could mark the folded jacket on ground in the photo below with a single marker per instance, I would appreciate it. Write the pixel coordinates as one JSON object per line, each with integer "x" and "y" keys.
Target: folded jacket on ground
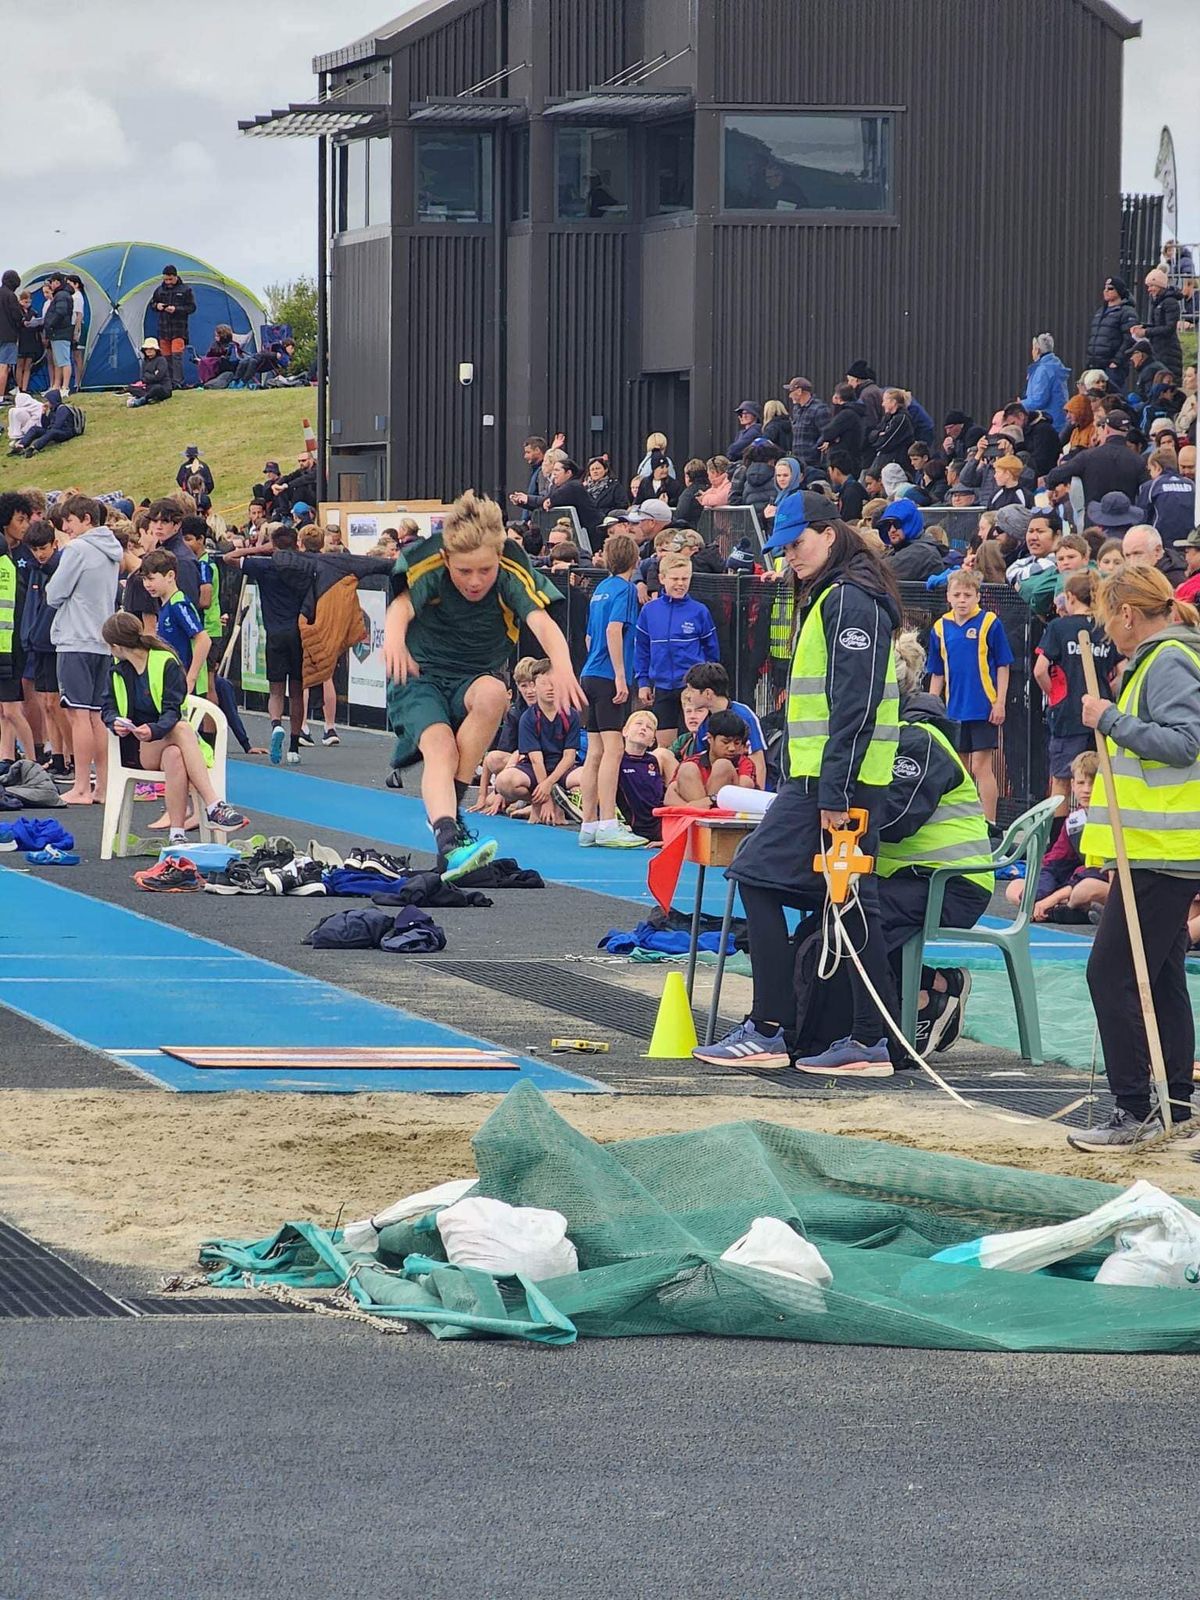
{"x": 371, "y": 928}
{"x": 427, "y": 889}
{"x": 35, "y": 833}
{"x": 502, "y": 873}
{"x": 31, "y": 784}
{"x": 353, "y": 881}
{"x": 668, "y": 942}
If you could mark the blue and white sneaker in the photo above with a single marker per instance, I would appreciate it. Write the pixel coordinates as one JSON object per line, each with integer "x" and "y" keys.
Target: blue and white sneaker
{"x": 276, "y": 746}
{"x": 846, "y": 1058}
{"x": 469, "y": 853}
{"x": 745, "y": 1046}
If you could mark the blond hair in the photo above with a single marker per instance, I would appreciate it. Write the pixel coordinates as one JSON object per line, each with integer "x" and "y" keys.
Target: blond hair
{"x": 473, "y": 523}
{"x": 773, "y": 409}
{"x": 655, "y": 441}
{"x": 1085, "y": 765}
{"x": 1143, "y": 589}
{"x": 674, "y": 561}
{"x": 642, "y": 711}
{"x": 963, "y": 578}
{"x": 523, "y": 671}
{"x": 910, "y": 660}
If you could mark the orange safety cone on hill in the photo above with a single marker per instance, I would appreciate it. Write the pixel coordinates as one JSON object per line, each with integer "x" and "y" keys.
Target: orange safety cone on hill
{"x": 310, "y": 438}
{"x": 674, "y": 1036}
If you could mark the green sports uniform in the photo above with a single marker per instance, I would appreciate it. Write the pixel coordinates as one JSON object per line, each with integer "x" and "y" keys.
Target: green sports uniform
{"x": 454, "y": 640}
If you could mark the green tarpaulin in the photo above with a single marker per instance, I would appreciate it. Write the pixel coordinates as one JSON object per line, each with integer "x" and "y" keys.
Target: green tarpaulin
{"x": 650, "y": 1218}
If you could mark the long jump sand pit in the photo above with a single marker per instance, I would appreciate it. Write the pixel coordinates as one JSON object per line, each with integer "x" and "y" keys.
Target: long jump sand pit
{"x": 139, "y": 1180}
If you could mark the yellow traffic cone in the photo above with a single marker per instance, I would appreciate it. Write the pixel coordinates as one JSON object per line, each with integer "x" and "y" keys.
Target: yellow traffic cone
{"x": 674, "y": 1030}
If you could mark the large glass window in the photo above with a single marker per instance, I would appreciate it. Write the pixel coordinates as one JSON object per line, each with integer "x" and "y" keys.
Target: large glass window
{"x": 670, "y": 148}
{"x": 454, "y": 176}
{"x": 807, "y": 161}
{"x": 592, "y": 173}
{"x": 363, "y": 172}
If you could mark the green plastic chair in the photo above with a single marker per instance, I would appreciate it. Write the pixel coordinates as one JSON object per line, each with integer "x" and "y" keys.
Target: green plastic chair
{"x": 1026, "y": 840}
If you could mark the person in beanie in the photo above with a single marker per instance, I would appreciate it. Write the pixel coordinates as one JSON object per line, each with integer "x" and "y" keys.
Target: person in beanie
{"x": 1111, "y": 335}
{"x": 175, "y": 303}
{"x": 1161, "y": 327}
{"x": 860, "y": 375}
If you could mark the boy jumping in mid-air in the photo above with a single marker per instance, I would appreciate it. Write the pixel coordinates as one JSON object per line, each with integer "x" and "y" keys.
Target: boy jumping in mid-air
{"x": 460, "y": 598}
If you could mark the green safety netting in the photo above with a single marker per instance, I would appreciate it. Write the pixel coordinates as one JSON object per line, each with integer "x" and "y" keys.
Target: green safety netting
{"x": 651, "y": 1217}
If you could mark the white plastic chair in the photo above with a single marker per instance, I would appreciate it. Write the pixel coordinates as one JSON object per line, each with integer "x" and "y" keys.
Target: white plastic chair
{"x": 119, "y": 791}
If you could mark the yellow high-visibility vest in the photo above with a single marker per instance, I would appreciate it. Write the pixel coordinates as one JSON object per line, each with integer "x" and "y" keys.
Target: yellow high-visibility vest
{"x": 808, "y": 706}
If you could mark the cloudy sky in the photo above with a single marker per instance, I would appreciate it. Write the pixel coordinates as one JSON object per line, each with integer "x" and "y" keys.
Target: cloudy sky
{"x": 145, "y": 143}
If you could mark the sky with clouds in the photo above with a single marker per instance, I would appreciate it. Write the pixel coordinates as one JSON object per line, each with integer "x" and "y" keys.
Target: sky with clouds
{"x": 145, "y": 143}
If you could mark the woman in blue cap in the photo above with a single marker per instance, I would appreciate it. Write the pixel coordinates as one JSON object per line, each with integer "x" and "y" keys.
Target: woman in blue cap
{"x": 842, "y": 733}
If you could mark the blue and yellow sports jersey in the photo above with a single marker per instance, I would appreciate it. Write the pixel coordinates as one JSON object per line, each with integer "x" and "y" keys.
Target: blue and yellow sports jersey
{"x": 968, "y": 656}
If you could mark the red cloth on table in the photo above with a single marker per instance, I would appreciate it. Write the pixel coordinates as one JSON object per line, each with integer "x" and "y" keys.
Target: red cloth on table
{"x": 662, "y": 876}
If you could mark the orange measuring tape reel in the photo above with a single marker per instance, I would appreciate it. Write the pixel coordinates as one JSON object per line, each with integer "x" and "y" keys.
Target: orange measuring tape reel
{"x": 842, "y": 861}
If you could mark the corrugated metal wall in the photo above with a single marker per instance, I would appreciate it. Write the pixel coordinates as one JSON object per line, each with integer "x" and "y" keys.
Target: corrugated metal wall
{"x": 587, "y": 43}
{"x": 437, "y": 443}
{"x": 1006, "y": 186}
{"x": 452, "y": 58}
{"x": 589, "y": 316}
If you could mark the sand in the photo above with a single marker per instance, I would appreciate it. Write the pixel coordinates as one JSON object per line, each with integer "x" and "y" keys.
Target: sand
{"x": 140, "y": 1180}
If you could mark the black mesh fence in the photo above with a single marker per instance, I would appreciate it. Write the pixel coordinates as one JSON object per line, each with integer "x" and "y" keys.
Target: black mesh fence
{"x": 742, "y": 607}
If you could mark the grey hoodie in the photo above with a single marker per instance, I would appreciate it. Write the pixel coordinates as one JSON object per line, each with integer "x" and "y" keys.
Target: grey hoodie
{"x": 1167, "y": 727}
{"x": 83, "y": 592}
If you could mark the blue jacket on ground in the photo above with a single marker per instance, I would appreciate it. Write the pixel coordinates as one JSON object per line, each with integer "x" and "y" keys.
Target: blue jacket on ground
{"x": 1046, "y": 386}
{"x": 672, "y": 637}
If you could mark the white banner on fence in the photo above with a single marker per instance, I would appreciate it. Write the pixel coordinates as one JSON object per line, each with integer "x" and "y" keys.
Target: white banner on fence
{"x": 368, "y": 684}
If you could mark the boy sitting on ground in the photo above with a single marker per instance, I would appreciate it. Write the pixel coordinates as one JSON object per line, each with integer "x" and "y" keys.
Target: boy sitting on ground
{"x": 710, "y": 684}
{"x": 547, "y": 754}
{"x": 722, "y": 761}
{"x": 646, "y": 768}
{"x": 504, "y": 752}
{"x": 460, "y": 598}
{"x": 1067, "y": 888}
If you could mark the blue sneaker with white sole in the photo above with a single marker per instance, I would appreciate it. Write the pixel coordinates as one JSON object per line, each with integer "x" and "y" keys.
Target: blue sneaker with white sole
{"x": 276, "y": 746}
{"x": 468, "y": 854}
{"x": 745, "y": 1046}
{"x": 846, "y": 1058}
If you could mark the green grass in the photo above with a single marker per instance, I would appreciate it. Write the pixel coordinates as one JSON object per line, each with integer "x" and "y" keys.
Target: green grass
{"x": 139, "y": 452}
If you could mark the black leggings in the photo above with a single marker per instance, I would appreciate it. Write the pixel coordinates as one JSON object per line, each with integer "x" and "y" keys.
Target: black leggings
{"x": 773, "y": 956}
{"x": 1162, "y": 907}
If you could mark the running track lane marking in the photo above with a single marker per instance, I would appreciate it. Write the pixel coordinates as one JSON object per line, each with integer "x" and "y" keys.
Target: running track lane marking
{"x": 125, "y": 984}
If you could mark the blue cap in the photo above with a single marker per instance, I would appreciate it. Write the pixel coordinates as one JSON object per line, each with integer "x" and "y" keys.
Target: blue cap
{"x": 789, "y": 523}
{"x": 301, "y": 508}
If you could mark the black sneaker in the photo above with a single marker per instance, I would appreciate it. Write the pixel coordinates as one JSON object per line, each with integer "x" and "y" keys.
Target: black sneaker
{"x": 570, "y": 801}
{"x": 306, "y": 739}
{"x": 394, "y": 780}
{"x": 330, "y": 737}
{"x": 376, "y": 861}
{"x": 299, "y": 877}
{"x": 958, "y": 982}
{"x": 235, "y": 879}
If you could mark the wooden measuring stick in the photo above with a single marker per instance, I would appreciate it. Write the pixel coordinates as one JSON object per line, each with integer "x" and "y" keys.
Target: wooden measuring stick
{"x": 1158, "y": 1067}
{"x": 239, "y": 616}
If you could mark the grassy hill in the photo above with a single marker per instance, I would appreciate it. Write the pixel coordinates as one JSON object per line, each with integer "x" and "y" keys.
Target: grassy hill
{"x": 139, "y": 452}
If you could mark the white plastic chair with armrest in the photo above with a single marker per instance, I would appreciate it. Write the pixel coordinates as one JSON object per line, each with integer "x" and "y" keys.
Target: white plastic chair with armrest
{"x": 119, "y": 791}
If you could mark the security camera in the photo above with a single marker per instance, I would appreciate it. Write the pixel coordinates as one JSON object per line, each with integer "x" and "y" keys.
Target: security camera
{"x": 466, "y": 374}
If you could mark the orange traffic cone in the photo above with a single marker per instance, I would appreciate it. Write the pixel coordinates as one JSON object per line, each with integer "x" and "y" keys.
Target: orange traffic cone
{"x": 674, "y": 1036}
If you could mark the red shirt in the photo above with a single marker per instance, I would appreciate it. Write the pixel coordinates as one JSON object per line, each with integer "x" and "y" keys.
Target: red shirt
{"x": 744, "y": 766}
{"x": 1189, "y": 590}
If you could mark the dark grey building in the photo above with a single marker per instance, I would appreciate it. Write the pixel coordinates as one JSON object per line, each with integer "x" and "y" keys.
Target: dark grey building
{"x": 614, "y": 215}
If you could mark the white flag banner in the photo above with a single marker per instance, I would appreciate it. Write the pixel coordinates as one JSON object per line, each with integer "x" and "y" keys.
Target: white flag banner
{"x": 1164, "y": 173}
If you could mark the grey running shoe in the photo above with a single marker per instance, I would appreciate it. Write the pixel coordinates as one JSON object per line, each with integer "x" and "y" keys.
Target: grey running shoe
{"x": 235, "y": 879}
{"x": 1121, "y": 1129}
{"x": 223, "y": 816}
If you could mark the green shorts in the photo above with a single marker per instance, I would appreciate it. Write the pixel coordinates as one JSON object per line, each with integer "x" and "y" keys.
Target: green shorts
{"x": 422, "y": 703}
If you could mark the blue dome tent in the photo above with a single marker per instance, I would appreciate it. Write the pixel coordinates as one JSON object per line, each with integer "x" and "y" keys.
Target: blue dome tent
{"x": 118, "y": 282}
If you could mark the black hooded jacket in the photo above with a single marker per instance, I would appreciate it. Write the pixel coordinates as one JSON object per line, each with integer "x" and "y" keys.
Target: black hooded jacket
{"x": 1110, "y": 339}
{"x": 859, "y": 617}
{"x": 923, "y": 772}
{"x": 1162, "y": 330}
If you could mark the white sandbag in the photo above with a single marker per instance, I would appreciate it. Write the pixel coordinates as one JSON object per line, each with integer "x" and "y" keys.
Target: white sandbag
{"x": 364, "y": 1235}
{"x": 773, "y": 1246}
{"x": 750, "y": 802}
{"x": 506, "y": 1240}
{"x": 1157, "y": 1242}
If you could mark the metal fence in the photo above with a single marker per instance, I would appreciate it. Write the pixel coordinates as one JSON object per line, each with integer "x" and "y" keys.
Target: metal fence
{"x": 742, "y": 607}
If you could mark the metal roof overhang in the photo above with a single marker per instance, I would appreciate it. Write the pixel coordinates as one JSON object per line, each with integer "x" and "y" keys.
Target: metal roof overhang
{"x": 465, "y": 110}
{"x": 313, "y": 121}
{"x": 620, "y": 105}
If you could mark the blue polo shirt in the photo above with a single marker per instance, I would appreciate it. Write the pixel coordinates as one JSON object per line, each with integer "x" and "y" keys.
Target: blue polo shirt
{"x": 551, "y": 735}
{"x": 615, "y": 600}
{"x": 967, "y": 655}
{"x": 178, "y": 624}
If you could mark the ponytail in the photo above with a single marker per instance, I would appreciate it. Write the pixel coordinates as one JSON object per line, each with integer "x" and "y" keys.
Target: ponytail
{"x": 1187, "y": 614}
{"x": 124, "y": 630}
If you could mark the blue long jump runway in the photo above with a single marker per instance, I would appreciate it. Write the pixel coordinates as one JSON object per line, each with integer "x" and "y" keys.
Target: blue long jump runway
{"x": 126, "y": 985}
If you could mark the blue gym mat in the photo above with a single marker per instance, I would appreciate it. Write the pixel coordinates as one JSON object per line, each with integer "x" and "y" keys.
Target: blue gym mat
{"x": 126, "y": 985}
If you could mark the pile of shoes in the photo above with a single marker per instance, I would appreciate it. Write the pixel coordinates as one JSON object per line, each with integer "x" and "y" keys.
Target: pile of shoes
{"x": 277, "y": 866}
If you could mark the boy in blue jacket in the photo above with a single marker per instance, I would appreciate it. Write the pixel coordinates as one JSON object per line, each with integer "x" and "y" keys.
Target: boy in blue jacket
{"x": 674, "y": 634}
{"x": 41, "y": 658}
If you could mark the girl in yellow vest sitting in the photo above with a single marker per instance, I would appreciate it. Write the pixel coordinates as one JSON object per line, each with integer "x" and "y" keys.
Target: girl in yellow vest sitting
{"x": 842, "y": 734}
{"x": 1153, "y": 736}
{"x": 143, "y": 707}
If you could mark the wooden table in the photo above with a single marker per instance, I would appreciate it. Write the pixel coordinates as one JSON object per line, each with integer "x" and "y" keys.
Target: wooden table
{"x": 713, "y": 844}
